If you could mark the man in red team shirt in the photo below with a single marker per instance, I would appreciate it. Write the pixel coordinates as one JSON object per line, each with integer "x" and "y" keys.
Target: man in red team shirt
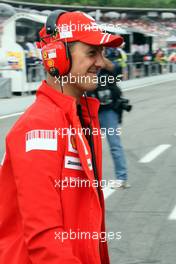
{"x": 40, "y": 221}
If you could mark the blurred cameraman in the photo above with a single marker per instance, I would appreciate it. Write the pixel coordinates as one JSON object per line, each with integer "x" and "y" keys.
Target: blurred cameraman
{"x": 112, "y": 105}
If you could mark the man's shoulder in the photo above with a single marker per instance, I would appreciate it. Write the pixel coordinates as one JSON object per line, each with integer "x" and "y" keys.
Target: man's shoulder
{"x": 40, "y": 115}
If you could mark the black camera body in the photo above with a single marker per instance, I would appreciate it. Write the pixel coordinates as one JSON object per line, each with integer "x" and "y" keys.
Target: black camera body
{"x": 120, "y": 105}
{"x": 124, "y": 104}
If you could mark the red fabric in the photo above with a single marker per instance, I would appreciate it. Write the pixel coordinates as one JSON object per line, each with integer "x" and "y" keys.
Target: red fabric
{"x": 32, "y": 208}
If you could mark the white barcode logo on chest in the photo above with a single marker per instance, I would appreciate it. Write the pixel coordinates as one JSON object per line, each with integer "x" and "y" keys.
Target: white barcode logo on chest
{"x": 41, "y": 140}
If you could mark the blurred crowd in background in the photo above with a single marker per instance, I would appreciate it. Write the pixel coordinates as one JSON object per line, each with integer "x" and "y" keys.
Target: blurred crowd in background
{"x": 138, "y": 60}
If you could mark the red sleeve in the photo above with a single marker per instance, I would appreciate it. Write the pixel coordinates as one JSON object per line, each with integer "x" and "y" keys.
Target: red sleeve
{"x": 36, "y": 164}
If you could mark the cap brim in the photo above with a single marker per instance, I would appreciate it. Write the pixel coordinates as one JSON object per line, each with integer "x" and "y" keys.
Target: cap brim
{"x": 102, "y": 39}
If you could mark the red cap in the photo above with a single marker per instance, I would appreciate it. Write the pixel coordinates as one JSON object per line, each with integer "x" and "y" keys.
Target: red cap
{"x": 78, "y": 26}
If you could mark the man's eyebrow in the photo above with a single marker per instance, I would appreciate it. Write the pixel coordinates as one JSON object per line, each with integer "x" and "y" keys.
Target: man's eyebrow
{"x": 96, "y": 48}
{"x": 101, "y": 48}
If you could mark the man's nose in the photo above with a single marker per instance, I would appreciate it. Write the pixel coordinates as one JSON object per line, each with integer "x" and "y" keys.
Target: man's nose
{"x": 100, "y": 63}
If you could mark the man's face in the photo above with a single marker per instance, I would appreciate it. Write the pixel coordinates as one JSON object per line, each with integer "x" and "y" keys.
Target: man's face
{"x": 86, "y": 62}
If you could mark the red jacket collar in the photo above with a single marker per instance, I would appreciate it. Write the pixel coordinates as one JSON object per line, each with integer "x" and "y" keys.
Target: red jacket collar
{"x": 68, "y": 103}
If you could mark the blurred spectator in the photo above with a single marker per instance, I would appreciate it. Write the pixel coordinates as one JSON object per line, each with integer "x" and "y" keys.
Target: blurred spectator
{"x": 138, "y": 60}
{"x": 148, "y": 59}
{"x": 172, "y": 57}
{"x": 122, "y": 61}
{"x": 160, "y": 59}
{"x": 110, "y": 115}
{"x": 172, "y": 60}
{"x": 119, "y": 57}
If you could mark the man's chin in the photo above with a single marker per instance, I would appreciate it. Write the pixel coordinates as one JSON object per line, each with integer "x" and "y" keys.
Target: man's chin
{"x": 91, "y": 88}
{"x": 87, "y": 87}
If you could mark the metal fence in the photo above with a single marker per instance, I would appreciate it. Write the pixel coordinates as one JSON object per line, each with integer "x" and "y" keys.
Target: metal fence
{"x": 139, "y": 70}
{"x": 35, "y": 73}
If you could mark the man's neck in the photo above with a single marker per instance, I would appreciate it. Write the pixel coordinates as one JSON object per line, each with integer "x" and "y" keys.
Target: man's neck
{"x": 67, "y": 89}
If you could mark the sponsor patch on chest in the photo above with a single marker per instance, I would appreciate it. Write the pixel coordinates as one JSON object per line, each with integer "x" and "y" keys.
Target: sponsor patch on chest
{"x": 73, "y": 163}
